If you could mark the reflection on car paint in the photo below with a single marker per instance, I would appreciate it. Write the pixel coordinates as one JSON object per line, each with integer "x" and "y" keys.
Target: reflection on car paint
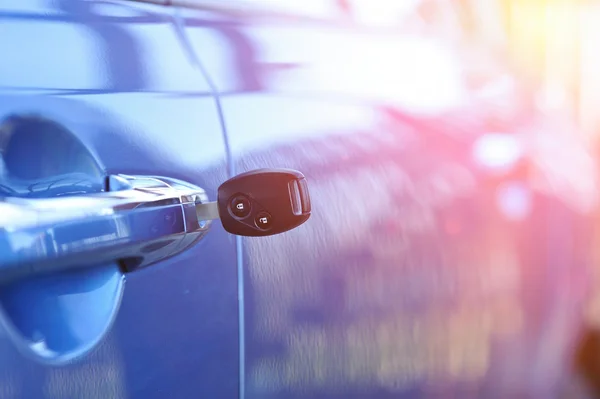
{"x": 447, "y": 293}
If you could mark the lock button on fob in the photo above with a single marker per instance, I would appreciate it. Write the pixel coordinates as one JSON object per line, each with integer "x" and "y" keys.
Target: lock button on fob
{"x": 240, "y": 206}
{"x": 263, "y": 202}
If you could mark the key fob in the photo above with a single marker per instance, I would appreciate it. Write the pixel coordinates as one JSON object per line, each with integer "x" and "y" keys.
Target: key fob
{"x": 264, "y": 202}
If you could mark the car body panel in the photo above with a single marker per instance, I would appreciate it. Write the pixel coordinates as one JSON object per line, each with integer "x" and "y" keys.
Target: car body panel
{"x": 117, "y": 76}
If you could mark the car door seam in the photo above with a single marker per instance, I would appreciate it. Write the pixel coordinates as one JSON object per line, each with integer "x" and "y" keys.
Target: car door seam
{"x": 197, "y": 63}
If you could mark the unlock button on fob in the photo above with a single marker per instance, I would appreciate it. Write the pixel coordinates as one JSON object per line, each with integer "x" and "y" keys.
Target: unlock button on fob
{"x": 263, "y": 221}
{"x": 240, "y": 206}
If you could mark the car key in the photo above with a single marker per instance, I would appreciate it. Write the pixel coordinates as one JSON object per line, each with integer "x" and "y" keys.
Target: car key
{"x": 261, "y": 202}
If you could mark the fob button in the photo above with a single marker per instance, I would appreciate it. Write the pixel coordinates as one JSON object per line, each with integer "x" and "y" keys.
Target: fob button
{"x": 240, "y": 206}
{"x": 263, "y": 221}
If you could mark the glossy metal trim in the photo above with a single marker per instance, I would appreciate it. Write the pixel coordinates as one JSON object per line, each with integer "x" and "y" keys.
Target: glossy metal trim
{"x": 154, "y": 219}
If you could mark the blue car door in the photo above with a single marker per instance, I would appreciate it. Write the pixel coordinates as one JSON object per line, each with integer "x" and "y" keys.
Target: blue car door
{"x": 101, "y": 103}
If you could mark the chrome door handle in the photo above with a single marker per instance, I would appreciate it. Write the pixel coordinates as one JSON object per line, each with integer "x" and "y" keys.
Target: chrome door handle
{"x": 146, "y": 220}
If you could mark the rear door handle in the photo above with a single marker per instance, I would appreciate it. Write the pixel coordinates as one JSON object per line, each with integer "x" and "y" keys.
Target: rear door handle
{"x": 146, "y": 219}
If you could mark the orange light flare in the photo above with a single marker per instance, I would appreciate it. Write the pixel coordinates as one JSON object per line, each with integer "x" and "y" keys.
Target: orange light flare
{"x": 544, "y": 43}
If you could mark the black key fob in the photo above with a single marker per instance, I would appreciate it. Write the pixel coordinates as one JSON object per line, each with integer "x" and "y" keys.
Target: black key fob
{"x": 264, "y": 202}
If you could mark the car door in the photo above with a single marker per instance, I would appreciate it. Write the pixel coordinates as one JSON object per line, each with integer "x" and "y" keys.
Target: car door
{"x": 106, "y": 96}
{"x": 432, "y": 262}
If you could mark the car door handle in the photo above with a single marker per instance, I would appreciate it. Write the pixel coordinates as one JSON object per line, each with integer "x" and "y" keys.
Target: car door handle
{"x": 140, "y": 221}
